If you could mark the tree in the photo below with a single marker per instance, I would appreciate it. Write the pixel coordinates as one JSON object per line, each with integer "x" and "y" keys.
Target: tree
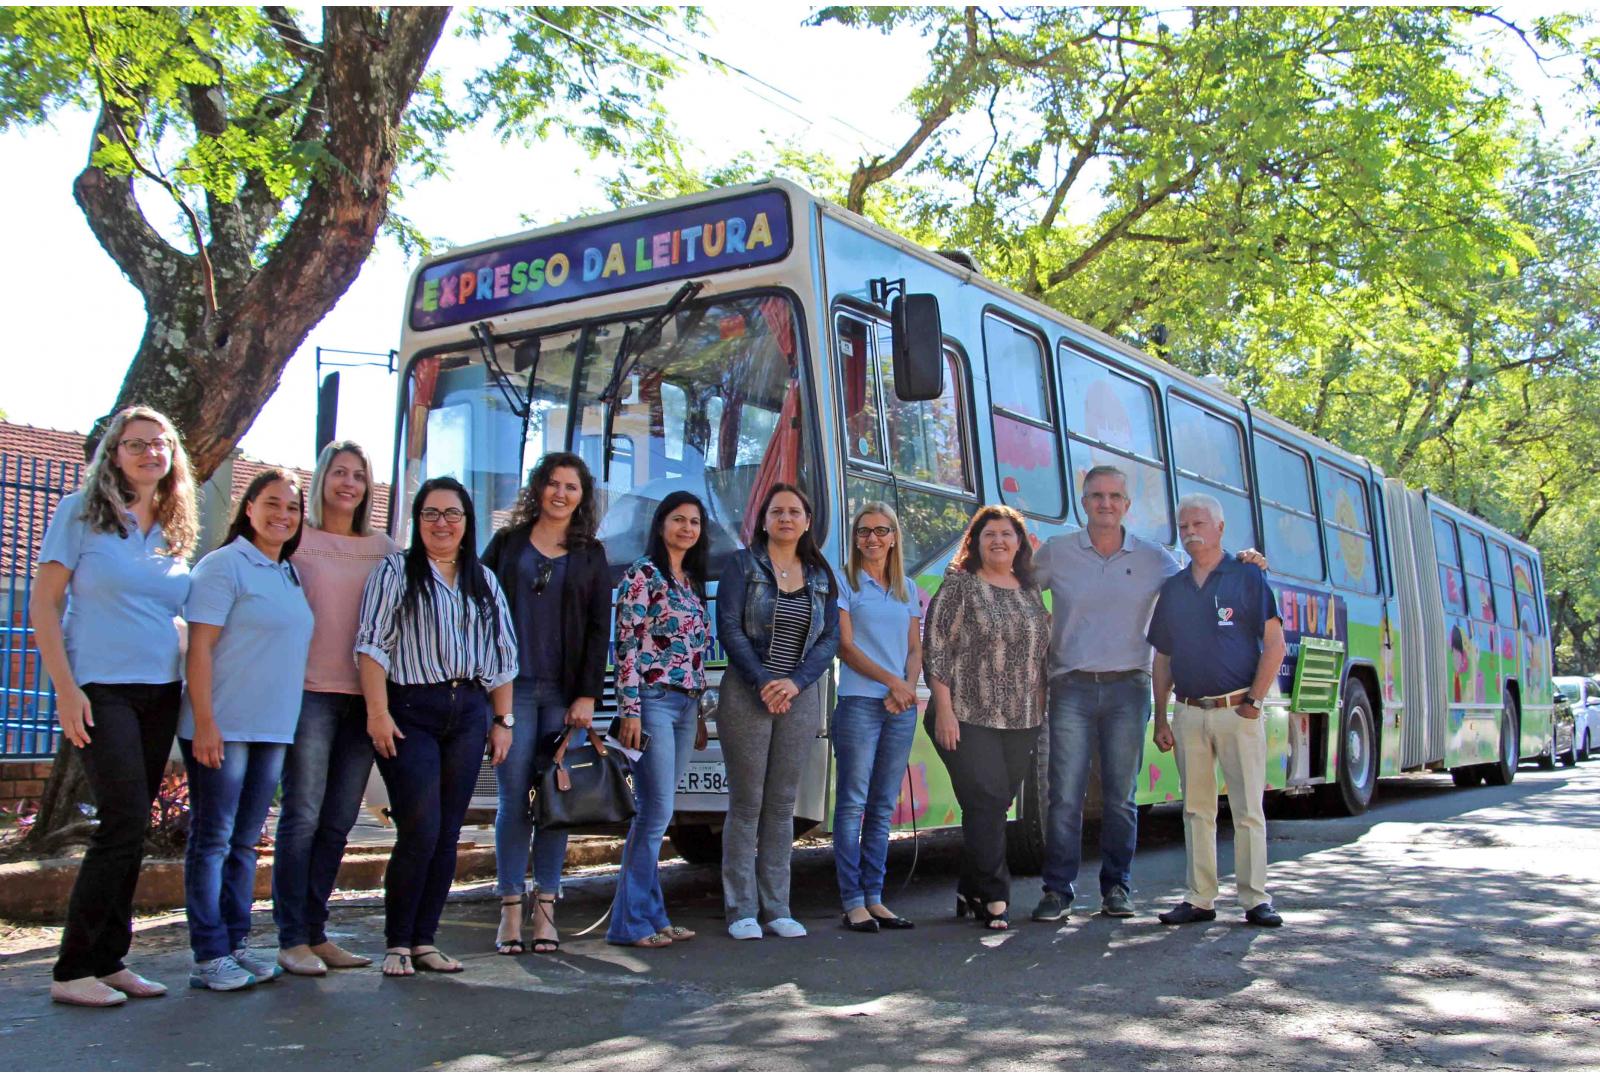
{"x": 281, "y": 147}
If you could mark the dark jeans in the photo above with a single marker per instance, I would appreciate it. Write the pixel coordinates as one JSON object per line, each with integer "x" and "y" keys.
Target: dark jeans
{"x": 430, "y": 781}
{"x": 134, "y": 725}
{"x": 227, "y": 808}
{"x": 324, "y": 778}
{"x": 986, "y": 768}
{"x": 1108, "y": 720}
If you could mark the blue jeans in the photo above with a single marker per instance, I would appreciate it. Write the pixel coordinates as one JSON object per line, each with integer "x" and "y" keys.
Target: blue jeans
{"x": 668, "y": 718}
{"x": 539, "y": 705}
{"x": 227, "y": 807}
{"x": 324, "y": 777}
{"x": 1108, "y": 719}
{"x": 430, "y": 781}
{"x": 872, "y": 746}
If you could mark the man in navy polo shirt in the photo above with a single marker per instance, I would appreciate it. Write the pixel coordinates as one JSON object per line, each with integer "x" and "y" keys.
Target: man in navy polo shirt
{"x": 1219, "y": 643}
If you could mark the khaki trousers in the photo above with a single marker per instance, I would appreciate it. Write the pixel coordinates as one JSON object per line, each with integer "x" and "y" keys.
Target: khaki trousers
{"x": 1207, "y": 738}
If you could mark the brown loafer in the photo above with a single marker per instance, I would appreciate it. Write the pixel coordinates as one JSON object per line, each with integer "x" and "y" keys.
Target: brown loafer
{"x": 300, "y": 960}
{"x": 133, "y": 984}
{"x": 88, "y": 991}
{"x": 336, "y": 957}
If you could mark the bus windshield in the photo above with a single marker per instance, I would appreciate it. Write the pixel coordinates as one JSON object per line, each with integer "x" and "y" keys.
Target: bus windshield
{"x": 710, "y": 405}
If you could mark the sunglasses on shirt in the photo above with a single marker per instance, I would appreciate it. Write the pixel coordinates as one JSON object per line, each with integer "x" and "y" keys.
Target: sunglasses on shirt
{"x": 542, "y": 579}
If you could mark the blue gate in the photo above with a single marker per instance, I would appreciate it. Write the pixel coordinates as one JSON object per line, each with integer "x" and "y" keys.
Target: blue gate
{"x": 30, "y": 490}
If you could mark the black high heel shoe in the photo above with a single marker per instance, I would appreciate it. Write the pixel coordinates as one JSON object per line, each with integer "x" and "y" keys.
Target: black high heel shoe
{"x": 968, "y": 905}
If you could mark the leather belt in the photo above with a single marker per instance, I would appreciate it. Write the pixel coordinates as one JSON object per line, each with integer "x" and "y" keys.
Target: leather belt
{"x": 1100, "y": 676}
{"x": 1227, "y": 702}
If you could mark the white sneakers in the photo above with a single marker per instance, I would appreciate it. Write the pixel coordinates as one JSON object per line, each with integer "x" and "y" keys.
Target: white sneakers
{"x": 750, "y": 930}
{"x": 223, "y": 973}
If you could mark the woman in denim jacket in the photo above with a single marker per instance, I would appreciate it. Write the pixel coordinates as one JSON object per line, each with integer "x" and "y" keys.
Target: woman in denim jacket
{"x": 778, "y": 621}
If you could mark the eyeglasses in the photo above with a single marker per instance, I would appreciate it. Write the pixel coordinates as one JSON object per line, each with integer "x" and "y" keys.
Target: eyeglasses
{"x": 880, "y": 531}
{"x": 138, "y": 447}
{"x": 546, "y": 572}
{"x": 432, "y": 515}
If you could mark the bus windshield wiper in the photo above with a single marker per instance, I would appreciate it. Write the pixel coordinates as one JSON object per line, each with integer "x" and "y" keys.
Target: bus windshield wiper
{"x": 634, "y": 343}
{"x": 508, "y": 389}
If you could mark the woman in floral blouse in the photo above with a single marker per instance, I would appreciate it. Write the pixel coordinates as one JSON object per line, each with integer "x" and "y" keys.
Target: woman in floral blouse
{"x": 983, "y": 654}
{"x": 662, "y": 639}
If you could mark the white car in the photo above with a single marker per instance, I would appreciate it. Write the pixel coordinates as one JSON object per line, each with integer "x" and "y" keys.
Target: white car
{"x": 1583, "y": 694}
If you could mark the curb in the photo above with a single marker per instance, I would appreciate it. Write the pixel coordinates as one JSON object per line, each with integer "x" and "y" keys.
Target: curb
{"x": 37, "y": 890}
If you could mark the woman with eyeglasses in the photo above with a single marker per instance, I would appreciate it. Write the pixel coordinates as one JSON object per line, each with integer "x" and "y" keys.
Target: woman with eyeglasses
{"x": 249, "y": 632}
{"x": 662, "y": 638}
{"x": 778, "y": 621}
{"x": 107, "y": 610}
{"x": 983, "y": 654}
{"x": 437, "y": 653}
{"x": 875, "y": 719}
{"x": 325, "y": 773}
{"x": 558, "y": 584}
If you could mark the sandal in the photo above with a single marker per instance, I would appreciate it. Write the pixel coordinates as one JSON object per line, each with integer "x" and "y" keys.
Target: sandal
{"x": 545, "y": 907}
{"x": 511, "y": 946}
{"x": 654, "y": 941}
{"x": 995, "y": 920}
{"x": 397, "y": 963}
{"x": 427, "y": 958}
{"x": 677, "y": 933}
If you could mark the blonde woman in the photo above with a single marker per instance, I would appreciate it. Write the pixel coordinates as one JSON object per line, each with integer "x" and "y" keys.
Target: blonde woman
{"x": 107, "y": 599}
{"x": 880, "y": 642}
{"x": 325, "y": 772}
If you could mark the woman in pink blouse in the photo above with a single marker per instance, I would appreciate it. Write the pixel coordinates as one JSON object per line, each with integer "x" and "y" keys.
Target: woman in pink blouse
{"x": 662, "y": 638}
{"x": 326, "y": 771}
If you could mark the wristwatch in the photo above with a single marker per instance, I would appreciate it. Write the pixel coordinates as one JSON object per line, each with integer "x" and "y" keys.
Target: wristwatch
{"x": 1252, "y": 702}
{"x": 507, "y": 721}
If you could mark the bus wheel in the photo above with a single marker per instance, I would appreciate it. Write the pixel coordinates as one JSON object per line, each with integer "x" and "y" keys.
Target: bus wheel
{"x": 1467, "y": 775}
{"x": 1356, "y": 772}
{"x": 1025, "y": 835}
{"x": 700, "y": 845}
{"x": 1502, "y": 772}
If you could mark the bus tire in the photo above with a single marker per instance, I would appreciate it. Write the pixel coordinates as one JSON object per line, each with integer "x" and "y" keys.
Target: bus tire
{"x": 700, "y": 845}
{"x": 1025, "y": 834}
{"x": 1356, "y": 770}
{"x": 1502, "y": 772}
{"x": 1467, "y": 775}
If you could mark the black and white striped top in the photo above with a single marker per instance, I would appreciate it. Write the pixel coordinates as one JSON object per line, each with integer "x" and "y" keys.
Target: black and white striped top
{"x": 444, "y": 638}
{"x": 791, "y": 621}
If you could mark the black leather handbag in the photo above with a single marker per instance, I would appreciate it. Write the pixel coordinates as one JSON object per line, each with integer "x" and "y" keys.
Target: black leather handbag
{"x": 584, "y": 786}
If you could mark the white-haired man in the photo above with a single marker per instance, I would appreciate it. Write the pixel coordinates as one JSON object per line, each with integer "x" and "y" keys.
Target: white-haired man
{"x": 1219, "y": 644}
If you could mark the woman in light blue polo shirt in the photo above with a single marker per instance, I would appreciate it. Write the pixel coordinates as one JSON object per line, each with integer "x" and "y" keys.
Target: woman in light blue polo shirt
{"x": 106, "y": 611}
{"x": 880, "y": 642}
{"x": 249, "y": 632}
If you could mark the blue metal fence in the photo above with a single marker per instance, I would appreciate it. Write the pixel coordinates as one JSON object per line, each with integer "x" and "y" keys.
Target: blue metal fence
{"x": 30, "y": 490}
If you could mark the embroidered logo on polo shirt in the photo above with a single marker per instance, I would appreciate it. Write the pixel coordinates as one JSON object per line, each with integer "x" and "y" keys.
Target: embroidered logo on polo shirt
{"x": 1224, "y": 616}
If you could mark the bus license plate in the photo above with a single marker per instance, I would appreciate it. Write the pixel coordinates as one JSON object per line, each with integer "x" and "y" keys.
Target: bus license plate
{"x": 705, "y": 778}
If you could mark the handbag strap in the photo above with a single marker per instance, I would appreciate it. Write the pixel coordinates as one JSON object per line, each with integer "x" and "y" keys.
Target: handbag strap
{"x": 564, "y": 778}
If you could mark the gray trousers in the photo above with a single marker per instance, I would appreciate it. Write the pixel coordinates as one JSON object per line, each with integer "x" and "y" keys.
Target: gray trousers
{"x": 764, "y": 756}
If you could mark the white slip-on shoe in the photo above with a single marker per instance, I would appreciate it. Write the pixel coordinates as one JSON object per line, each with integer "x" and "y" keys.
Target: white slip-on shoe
{"x": 134, "y": 984}
{"x": 745, "y": 930}
{"x": 786, "y": 928}
{"x": 88, "y": 991}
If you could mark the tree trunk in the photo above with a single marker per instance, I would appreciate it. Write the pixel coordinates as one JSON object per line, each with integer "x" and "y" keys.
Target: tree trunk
{"x": 60, "y": 822}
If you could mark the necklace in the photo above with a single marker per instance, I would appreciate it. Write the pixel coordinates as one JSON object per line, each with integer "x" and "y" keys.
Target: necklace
{"x": 442, "y": 562}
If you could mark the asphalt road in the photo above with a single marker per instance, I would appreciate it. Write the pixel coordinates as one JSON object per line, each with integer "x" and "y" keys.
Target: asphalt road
{"x": 1443, "y": 929}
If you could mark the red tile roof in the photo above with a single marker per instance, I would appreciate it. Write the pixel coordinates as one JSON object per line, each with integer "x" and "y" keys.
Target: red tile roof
{"x": 40, "y": 465}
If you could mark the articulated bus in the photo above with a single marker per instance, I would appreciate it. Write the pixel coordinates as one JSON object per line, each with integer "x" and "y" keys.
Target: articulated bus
{"x": 729, "y": 340}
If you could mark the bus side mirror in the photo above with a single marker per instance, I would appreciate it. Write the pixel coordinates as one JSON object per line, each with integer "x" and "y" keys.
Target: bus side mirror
{"x": 918, "y": 347}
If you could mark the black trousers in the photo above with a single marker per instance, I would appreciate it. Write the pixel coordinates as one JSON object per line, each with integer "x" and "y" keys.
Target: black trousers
{"x": 134, "y": 725}
{"x": 986, "y": 768}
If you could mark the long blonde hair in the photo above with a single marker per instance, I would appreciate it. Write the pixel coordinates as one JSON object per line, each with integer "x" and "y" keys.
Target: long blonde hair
{"x": 362, "y": 521}
{"x": 894, "y": 565}
{"x": 107, "y": 495}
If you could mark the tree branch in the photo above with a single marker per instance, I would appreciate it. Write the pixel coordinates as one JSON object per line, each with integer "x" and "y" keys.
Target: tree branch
{"x": 114, "y": 216}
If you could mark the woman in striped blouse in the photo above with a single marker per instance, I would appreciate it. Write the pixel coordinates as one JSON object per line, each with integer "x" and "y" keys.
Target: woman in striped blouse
{"x": 778, "y": 621}
{"x": 435, "y": 648}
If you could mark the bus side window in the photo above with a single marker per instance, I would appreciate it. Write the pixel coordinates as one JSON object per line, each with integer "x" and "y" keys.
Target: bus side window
{"x": 1522, "y": 580}
{"x": 1027, "y": 450}
{"x": 1505, "y": 605}
{"x": 1288, "y": 512}
{"x": 1352, "y": 563}
{"x": 1111, "y": 420}
{"x": 1449, "y": 554}
{"x": 858, "y": 372}
{"x": 1475, "y": 562}
{"x": 1208, "y": 455}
